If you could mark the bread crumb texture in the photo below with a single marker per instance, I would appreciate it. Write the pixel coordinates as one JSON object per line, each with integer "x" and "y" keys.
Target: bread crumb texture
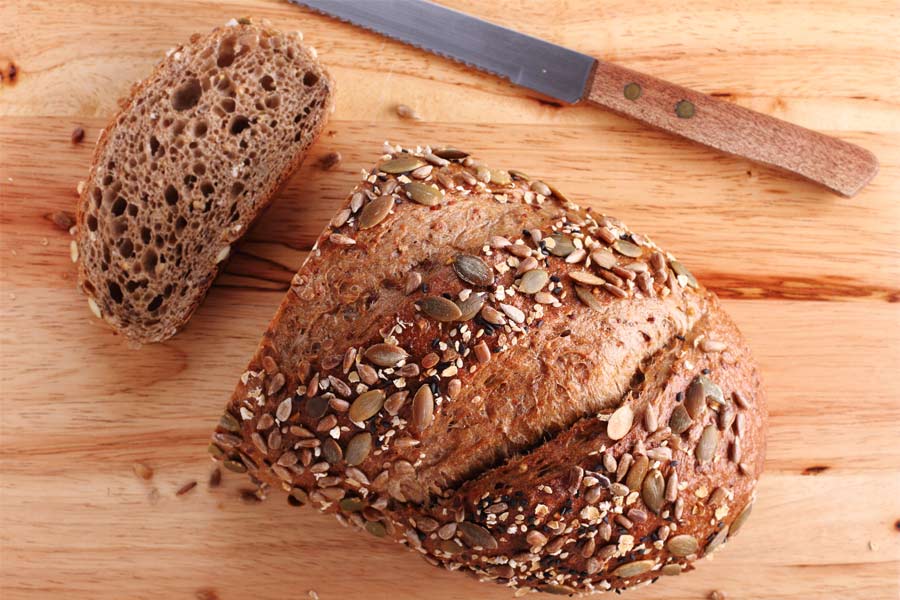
{"x": 189, "y": 163}
{"x": 474, "y": 366}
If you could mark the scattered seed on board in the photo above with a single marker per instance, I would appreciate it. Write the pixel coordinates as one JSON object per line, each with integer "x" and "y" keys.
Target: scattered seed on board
{"x": 329, "y": 161}
{"x": 406, "y": 112}
{"x": 142, "y": 471}
{"x": 77, "y": 135}
{"x": 186, "y": 488}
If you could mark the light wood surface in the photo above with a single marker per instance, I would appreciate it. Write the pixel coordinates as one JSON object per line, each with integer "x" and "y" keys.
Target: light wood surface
{"x": 813, "y": 280}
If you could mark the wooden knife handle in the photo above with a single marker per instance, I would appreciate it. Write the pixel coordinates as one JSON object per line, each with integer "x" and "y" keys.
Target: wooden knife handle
{"x": 838, "y": 165}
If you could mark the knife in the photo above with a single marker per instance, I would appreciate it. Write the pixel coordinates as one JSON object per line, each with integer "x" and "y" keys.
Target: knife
{"x": 573, "y": 78}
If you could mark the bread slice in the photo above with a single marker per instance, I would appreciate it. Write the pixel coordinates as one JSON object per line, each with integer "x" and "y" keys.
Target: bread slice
{"x": 189, "y": 163}
{"x": 510, "y": 385}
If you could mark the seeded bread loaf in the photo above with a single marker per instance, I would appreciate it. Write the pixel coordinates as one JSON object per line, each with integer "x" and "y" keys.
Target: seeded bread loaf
{"x": 474, "y": 366}
{"x": 192, "y": 159}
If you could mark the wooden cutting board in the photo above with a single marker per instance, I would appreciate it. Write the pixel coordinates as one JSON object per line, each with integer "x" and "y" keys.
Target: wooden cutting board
{"x": 813, "y": 280}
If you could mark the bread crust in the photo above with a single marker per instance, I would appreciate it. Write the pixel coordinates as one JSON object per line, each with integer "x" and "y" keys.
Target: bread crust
{"x": 548, "y": 462}
{"x": 90, "y": 281}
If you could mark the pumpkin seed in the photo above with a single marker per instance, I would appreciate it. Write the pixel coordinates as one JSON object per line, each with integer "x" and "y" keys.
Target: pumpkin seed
{"x": 672, "y": 569}
{"x": 474, "y": 535}
{"x": 533, "y": 281}
{"x": 226, "y": 439}
{"x": 519, "y": 175}
{"x": 620, "y": 422}
{"x": 376, "y": 529}
{"x": 229, "y": 423}
{"x": 235, "y": 466}
{"x": 422, "y": 408}
{"x": 706, "y": 447}
{"x": 627, "y": 248}
{"x": 469, "y": 307}
{"x": 315, "y": 407}
{"x": 449, "y": 546}
{"x": 401, "y": 164}
{"x": 741, "y": 519}
{"x": 710, "y": 390}
{"x": 557, "y": 589}
{"x": 450, "y": 153}
{"x": 298, "y": 497}
{"x": 331, "y": 450}
{"x": 215, "y": 451}
{"x": 500, "y": 177}
{"x": 563, "y": 245}
{"x": 681, "y": 270}
{"x": 631, "y": 569}
{"x": 682, "y": 545}
{"x": 423, "y": 193}
{"x": 358, "y": 448}
{"x": 352, "y": 504}
{"x": 440, "y": 309}
{"x": 473, "y": 270}
{"x": 586, "y": 278}
{"x": 716, "y": 541}
{"x": 602, "y": 257}
{"x": 680, "y": 421}
{"x": 375, "y": 211}
{"x": 637, "y": 473}
{"x": 653, "y": 491}
{"x": 559, "y": 195}
{"x": 385, "y": 355}
{"x": 695, "y": 399}
{"x": 585, "y": 295}
{"x": 366, "y": 405}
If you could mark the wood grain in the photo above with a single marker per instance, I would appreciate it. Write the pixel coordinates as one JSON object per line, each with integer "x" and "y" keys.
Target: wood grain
{"x": 811, "y": 279}
{"x": 840, "y": 166}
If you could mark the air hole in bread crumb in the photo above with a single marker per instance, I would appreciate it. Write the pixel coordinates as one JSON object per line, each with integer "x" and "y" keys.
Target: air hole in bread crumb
{"x": 206, "y": 188}
{"x": 92, "y": 223}
{"x": 238, "y": 124}
{"x": 200, "y": 129}
{"x": 118, "y": 206}
{"x": 154, "y": 145}
{"x": 132, "y": 210}
{"x": 178, "y": 127}
{"x": 145, "y": 235}
{"x": 267, "y": 83}
{"x": 126, "y": 247}
{"x": 155, "y": 303}
{"x": 115, "y": 292}
{"x": 187, "y": 95}
{"x": 310, "y": 79}
{"x": 273, "y": 101}
{"x": 226, "y": 53}
{"x": 171, "y": 195}
{"x": 98, "y": 197}
{"x": 180, "y": 224}
{"x": 199, "y": 169}
{"x": 149, "y": 260}
{"x": 227, "y": 105}
{"x": 237, "y": 188}
{"x": 189, "y": 181}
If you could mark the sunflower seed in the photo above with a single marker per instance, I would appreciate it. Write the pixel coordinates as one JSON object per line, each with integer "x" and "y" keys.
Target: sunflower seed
{"x": 708, "y": 345}
{"x": 332, "y": 451}
{"x": 356, "y": 201}
{"x": 483, "y": 174}
{"x": 358, "y": 448}
{"x": 695, "y": 399}
{"x": 519, "y": 175}
{"x": 274, "y": 439}
{"x": 716, "y": 541}
{"x": 680, "y": 421}
{"x": 367, "y": 374}
{"x": 603, "y": 258}
{"x": 440, "y": 309}
{"x": 740, "y": 399}
{"x": 740, "y": 424}
{"x": 402, "y": 164}
{"x": 469, "y": 307}
{"x": 611, "y": 277}
{"x": 671, "y": 569}
{"x": 283, "y": 412}
{"x": 576, "y": 256}
{"x": 422, "y": 172}
{"x": 533, "y": 281}
{"x": 735, "y": 450}
{"x": 541, "y": 188}
{"x": 586, "y": 278}
{"x": 288, "y": 459}
{"x": 513, "y": 313}
{"x": 519, "y": 250}
{"x": 741, "y": 519}
{"x": 395, "y": 402}
{"x": 563, "y": 245}
{"x": 637, "y": 473}
{"x": 627, "y": 248}
{"x": 473, "y": 270}
{"x": 385, "y": 355}
{"x": 624, "y": 465}
{"x": 476, "y": 536}
{"x": 726, "y": 417}
{"x": 422, "y": 408}
{"x": 634, "y": 568}
{"x": 615, "y": 290}
{"x": 556, "y": 589}
{"x": 660, "y": 453}
{"x": 340, "y": 388}
{"x": 375, "y": 211}
{"x": 229, "y": 423}
{"x": 447, "y": 531}
{"x": 535, "y": 538}
{"x": 366, "y": 405}
{"x": 227, "y": 440}
{"x": 682, "y": 271}
{"x": 423, "y": 193}
{"x": 672, "y": 486}
{"x": 259, "y": 442}
{"x": 651, "y": 418}
{"x": 526, "y": 265}
{"x": 620, "y": 422}
{"x": 682, "y": 545}
{"x": 653, "y": 491}
{"x": 706, "y": 447}
{"x": 413, "y": 282}
{"x": 588, "y": 298}
{"x": 492, "y": 315}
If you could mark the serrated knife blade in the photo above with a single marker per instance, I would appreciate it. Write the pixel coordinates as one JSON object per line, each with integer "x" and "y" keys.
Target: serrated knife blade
{"x": 571, "y": 77}
{"x": 524, "y": 60}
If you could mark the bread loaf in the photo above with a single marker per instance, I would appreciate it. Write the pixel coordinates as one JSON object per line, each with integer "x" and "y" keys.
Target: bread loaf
{"x": 474, "y": 366}
{"x": 192, "y": 159}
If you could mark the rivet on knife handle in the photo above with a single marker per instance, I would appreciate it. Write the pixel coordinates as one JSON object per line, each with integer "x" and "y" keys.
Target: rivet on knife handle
{"x": 838, "y": 165}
